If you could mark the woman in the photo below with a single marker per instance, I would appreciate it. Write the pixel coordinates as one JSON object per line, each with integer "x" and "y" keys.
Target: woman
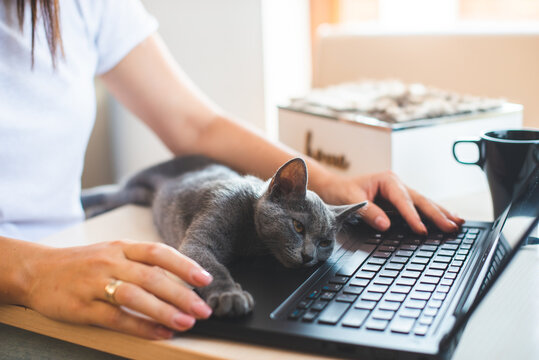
{"x": 48, "y": 108}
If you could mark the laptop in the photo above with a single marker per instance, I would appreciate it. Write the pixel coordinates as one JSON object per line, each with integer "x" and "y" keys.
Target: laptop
{"x": 382, "y": 295}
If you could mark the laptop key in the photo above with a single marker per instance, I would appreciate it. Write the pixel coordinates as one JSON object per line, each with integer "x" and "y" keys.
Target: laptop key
{"x": 442, "y": 259}
{"x": 415, "y": 304}
{"x": 401, "y": 289}
{"x": 425, "y": 287}
{"x": 428, "y": 248}
{"x": 389, "y": 273}
{"x": 374, "y": 324}
{"x": 452, "y": 247}
{"x": 376, "y": 261}
{"x": 404, "y": 253}
{"x": 389, "y": 305}
{"x": 430, "y": 311}
{"x": 405, "y": 281}
{"x": 333, "y": 313}
{"x": 355, "y": 318}
{"x": 371, "y": 267}
{"x": 364, "y": 304}
{"x": 383, "y": 281}
{"x": 420, "y": 295}
{"x": 395, "y": 297}
{"x": 382, "y": 254}
{"x": 402, "y": 325}
{"x": 421, "y": 330}
{"x": 408, "y": 247}
{"x": 430, "y": 280}
{"x": 304, "y": 304}
{"x": 294, "y": 315}
{"x": 434, "y": 272}
{"x": 309, "y": 316}
{"x": 416, "y": 267}
{"x": 359, "y": 282}
{"x": 443, "y": 288}
{"x": 327, "y": 295}
{"x": 370, "y": 296}
{"x": 450, "y": 275}
{"x": 426, "y": 320}
{"x": 438, "y": 266}
{"x": 353, "y": 290}
{"x": 349, "y": 298}
{"x": 439, "y": 296}
{"x": 399, "y": 260}
{"x": 420, "y": 260}
{"x": 446, "y": 252}
{"x": 394, "y": 266}
{"x": 426, "y": 254}
{"x": 447, "y": 282}
{"x": 387, "y": 248}
{"x": 332, "y": 287}
{"x": 383, "y": 314}
{"x": 377, "y": 288}
{"x": 411, "y": 313}
{"x": 319, "y": 305}
{"x": 339, "y": 280}
{"x": 365, "y": 274}
{"x": 411, "y": 274}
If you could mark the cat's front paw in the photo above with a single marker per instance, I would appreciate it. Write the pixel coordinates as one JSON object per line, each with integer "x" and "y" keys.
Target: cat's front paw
{"x": 230, "y": 303}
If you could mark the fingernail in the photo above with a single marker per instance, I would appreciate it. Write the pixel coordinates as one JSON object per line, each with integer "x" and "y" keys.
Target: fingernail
{"x": 424, "y": 230}
{"x": 453, "y": 225}
{"x": 201, "y": 309}
{"x": 163, "y": 333}
{"x": 183, "y": 321}
{"x": 201, "y": 276}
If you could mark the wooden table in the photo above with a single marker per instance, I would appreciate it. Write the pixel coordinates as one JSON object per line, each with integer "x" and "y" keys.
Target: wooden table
{"x": 505, "y": 326}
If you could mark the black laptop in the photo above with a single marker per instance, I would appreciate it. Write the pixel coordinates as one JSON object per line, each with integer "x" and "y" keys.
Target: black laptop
{"x": 382, "y": 295}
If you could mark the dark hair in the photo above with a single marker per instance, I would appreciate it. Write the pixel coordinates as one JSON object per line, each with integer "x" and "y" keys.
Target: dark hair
{"x": 49, "y": 11}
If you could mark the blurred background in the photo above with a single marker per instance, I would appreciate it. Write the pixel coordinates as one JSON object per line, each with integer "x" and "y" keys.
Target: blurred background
{"x": 251, "y": 55}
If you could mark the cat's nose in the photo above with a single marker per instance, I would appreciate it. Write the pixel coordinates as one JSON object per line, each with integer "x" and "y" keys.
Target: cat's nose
{"x": 306, "y": 258}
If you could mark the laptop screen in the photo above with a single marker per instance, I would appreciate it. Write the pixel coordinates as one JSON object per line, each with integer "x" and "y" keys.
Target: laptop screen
{"x": 516, "y": 222}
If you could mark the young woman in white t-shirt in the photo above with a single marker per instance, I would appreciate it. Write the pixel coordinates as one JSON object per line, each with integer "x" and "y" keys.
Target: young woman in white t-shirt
{"x": 49, "y": 61}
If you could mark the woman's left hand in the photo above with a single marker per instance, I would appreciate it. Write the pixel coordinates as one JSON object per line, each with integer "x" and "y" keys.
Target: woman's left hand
{"x": 409, "y": 203}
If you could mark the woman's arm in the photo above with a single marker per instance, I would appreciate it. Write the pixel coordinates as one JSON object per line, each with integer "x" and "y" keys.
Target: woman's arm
{"x": 68, "y": 284}
{"x": 152, "y": 85}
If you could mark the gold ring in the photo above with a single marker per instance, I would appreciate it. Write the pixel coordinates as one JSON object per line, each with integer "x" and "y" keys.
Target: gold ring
{"x": 110, "y": 291}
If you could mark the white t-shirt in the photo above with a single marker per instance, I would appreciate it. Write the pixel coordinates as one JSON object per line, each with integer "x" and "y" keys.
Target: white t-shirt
{"x": 47, "y": 114}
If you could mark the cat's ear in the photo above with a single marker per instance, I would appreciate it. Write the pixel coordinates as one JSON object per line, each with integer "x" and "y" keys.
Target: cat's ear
{"x": 290, "y": 180}
{"x": 343, "y": 212}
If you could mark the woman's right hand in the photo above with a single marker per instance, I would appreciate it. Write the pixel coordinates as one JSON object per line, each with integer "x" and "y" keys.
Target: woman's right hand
{"x": 68, "y": 284}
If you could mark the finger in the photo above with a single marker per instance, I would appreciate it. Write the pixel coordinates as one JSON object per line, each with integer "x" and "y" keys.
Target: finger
{"x": 398, "y": 195}
{"x": 435, "y": 213}
{"x": 375, "y": 217}
{"x": 452, "y": 216}
{"x": 155, "y": 281}
{"x": 169, "y": 259}
{"x": 137, "y": 299}
{"x": 113, "y": 317}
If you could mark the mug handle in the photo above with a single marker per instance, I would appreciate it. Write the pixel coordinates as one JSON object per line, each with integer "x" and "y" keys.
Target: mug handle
{"x": 479, "y": 161}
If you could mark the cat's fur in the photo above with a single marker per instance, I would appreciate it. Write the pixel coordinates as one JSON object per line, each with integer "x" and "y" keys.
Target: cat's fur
{"x": 214, "y": 215}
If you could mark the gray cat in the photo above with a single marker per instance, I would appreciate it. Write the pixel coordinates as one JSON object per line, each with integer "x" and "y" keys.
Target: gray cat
{"x": 214, "y": 215}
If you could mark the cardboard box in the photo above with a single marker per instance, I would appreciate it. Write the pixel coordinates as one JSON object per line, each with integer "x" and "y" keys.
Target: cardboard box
{"x": 418, "y": 151}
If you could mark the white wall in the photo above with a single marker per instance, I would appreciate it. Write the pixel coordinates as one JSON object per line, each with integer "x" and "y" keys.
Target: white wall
{"x": 246, "y": 55}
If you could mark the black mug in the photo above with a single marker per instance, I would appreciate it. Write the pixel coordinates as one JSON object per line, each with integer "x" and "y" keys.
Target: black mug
{"x": 507, "y": 157}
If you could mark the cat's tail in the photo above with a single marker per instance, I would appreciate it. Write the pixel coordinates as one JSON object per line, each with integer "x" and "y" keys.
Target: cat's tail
{"x": 140, "y": 189}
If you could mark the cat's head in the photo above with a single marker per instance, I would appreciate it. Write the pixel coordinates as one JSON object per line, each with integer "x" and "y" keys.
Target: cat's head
{"x": 294, "y": 223}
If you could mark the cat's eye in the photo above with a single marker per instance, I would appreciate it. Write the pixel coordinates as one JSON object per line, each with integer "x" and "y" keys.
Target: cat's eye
{"x": 298, "y": 226}
{"x": 324, "y": 243}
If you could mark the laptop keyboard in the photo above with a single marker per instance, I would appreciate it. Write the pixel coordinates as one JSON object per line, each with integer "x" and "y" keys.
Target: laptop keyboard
{"x": 399, "y": 287}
